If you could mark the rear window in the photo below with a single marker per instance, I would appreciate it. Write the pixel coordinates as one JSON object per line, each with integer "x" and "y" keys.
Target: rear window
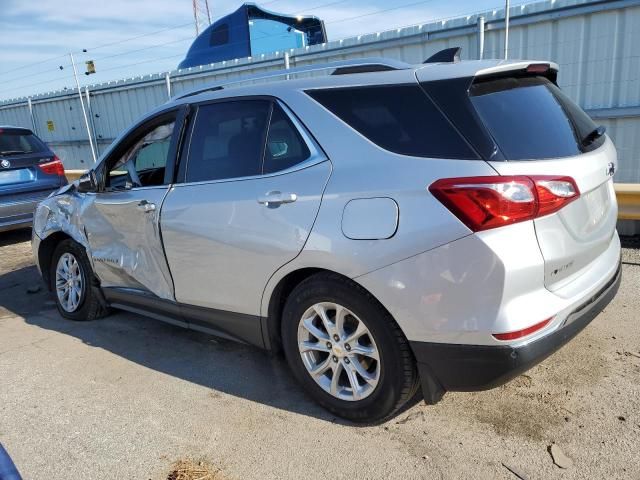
{"x": 530, "y": 118}
{"x": 400, "y": 119}
{"x": 19, "y": 141}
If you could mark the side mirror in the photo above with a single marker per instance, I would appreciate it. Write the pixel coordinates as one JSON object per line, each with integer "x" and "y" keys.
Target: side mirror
{"x": 88, "y": 182}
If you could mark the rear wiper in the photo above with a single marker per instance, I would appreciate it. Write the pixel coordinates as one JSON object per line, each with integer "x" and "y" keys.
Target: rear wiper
{"x": 593, "y": 135}
{"x": 11, "y": 152}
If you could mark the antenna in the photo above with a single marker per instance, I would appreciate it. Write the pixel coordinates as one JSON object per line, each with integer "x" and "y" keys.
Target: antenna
{"x": 201, "y": 15}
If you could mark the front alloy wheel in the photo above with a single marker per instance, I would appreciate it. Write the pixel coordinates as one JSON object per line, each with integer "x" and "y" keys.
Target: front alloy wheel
{"x": 72, "y": 280}
{"x": 69, "y": 282}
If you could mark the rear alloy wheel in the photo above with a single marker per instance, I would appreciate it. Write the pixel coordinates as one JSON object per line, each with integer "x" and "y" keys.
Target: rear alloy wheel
{"x": 338, "y": 351}
{"x": 346, "y": 350}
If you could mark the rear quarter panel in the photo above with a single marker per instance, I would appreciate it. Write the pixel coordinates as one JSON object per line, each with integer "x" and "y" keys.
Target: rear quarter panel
{"x": 363, "y": 170}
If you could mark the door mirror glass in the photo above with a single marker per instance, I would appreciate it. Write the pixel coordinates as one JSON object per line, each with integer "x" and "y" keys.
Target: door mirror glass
{"x": 88, "y": 182}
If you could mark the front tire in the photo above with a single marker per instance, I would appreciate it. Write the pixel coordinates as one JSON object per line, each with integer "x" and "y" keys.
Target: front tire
{"x": 346, "y": 350}
{"x": 72, "y": 283}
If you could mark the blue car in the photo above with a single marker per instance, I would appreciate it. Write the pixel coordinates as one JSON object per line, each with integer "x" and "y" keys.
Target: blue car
{"x": 29, "y": 172}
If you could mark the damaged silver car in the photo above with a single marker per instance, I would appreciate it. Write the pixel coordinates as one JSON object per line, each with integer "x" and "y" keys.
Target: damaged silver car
{"x": 388, "y": 226}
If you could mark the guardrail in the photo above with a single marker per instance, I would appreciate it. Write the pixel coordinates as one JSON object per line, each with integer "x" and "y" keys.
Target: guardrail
{"x": 628, "y": 195}
{"x": 73, "y": 174}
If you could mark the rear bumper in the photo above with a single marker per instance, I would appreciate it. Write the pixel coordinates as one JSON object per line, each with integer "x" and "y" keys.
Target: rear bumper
{"x": 16, "y": 211}
{"x": 7, "y": 224}
{"x": 456, "y": 367}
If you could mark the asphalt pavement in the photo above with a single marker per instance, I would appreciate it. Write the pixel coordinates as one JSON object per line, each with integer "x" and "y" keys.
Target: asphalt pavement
{"x": 125, "y": 397}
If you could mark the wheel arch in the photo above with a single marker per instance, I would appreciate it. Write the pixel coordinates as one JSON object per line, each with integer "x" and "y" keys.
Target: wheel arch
{"x": 432, "y": 391}
{"x": 45, "y": 254}
{"x": 279, "y": 295}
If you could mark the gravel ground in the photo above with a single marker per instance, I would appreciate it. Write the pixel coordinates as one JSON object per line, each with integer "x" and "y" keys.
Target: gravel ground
{"x": 127, "y": 397}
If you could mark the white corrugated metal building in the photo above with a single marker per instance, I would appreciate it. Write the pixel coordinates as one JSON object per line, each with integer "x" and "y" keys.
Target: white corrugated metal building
{"x": 594, "y": 42}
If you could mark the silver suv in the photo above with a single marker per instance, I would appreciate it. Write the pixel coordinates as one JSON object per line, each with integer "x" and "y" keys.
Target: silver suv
{"x": 388, "y": 226}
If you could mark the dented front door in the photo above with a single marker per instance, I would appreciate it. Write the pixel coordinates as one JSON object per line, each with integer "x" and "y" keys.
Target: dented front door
{"x": 124, "y": 237}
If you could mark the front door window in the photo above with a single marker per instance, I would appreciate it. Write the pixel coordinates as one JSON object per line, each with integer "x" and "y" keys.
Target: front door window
{"x": 143, "y": 164}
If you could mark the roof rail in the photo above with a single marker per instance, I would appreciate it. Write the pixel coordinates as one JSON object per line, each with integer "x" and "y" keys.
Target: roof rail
{"x": 359, "y": 65}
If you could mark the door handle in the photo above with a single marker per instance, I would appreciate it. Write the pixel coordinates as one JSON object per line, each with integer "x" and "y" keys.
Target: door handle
{"x": 276, "y": 198}
{"x": 146, "y": 206}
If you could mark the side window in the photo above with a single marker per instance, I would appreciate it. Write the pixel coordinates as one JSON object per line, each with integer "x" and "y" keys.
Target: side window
{"x": 399, "y": 118}
{"x": 143, "y": 164}
{"x": 219, "y": 35}
{"x": 228, "y": 140}
{"x": 285, "y": 147}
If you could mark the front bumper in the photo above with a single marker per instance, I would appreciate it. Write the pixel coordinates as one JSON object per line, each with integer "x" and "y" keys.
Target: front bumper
{"x": 456, "y": 367}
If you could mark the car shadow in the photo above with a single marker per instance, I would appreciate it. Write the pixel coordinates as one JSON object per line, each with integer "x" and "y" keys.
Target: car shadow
{"x": 221, "y": 365}
{"x": 15, "y": 236}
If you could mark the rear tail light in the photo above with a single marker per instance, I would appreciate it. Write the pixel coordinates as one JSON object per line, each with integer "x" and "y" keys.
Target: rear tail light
{"x": 524, "y": 332}
{"x": 54, "y": 167}
{"x": 482, "y": 203}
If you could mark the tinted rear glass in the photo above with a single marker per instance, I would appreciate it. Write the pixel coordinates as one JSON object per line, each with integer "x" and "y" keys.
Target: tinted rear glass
{"x": 19, "y": 141}
{"x": 400, "y": 119}
{"x": 531, "y": 119}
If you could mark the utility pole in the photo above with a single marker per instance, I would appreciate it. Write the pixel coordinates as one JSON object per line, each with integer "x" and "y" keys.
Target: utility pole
{"x": 201, "y": 15}
{"x": 84, "y": 111}
{"x": 480, "y": 38}
{"x": 506, "y": 30}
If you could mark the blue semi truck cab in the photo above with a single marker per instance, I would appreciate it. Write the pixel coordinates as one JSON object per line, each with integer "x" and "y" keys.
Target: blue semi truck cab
{"x": 251, "y": 31}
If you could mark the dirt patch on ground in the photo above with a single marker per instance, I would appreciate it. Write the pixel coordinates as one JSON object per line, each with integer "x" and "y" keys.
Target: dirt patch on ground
{"x": 533, "y": 404}
{"x": 194, "y": 470}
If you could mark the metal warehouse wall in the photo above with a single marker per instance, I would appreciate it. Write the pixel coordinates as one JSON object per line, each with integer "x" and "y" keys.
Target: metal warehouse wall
{"x": 594, "y": 42}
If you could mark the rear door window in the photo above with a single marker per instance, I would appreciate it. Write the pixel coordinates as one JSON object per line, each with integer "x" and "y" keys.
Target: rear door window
{"x": 398, "y": 118}
{"x": 285, "y": 146}
{"x": 19, "y": 141}
{"x": 228, "y": 140}
{"x": 530, "y": 118}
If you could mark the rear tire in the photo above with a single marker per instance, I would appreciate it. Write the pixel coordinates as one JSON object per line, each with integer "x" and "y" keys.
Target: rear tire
{"x": 73, "y": 283}
{"x": 330, "y": 324}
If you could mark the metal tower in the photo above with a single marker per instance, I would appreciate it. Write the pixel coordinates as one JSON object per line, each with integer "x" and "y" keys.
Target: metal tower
{"x": 201, "y": 15}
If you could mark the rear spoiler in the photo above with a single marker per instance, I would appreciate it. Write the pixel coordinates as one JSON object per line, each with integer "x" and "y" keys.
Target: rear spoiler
{"x": 525, "y": 68}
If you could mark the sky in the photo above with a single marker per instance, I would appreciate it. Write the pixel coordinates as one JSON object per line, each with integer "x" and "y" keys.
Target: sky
{"x": 128, "y": 38}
